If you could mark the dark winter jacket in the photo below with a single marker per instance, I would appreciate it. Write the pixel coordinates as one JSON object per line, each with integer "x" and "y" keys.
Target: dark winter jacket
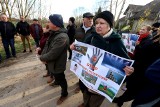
{"x": 151, "y": 89}
{"x": 145, "y": 54}
{"x": 7, "y": 30}
{"x": 81, "y": 35}
{"x": 23, "y": 28}
{"x": 43, "y": 41}
{"x": 112, "y": 44}
{"x": 33, "y": 31}
{"x": 55, "y": 51}
{"x": 71, "y": 30}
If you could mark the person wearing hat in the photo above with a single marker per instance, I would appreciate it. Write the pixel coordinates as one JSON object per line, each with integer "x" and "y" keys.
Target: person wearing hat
{"x": 36, "y": 31}
{"x": 85, "y": 29}
{"x": 54, "y": 54}
{"x": 104, "y": 38}
{"x": 155, "y": 27}
{"x": 71, "y": 29}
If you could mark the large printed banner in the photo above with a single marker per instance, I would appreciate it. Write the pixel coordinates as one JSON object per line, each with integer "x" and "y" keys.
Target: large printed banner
{"x": 129, "y": 41}
{"x": 99, "y": 70}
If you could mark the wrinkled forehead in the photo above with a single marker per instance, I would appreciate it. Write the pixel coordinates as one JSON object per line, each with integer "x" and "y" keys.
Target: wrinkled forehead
{"x": 3, "y": 16}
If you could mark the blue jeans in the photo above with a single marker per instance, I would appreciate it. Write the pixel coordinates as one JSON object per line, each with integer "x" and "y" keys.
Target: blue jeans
{"x": 6, "y": 44}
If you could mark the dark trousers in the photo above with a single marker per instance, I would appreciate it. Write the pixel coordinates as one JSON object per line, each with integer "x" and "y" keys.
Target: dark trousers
{"x": 0, "y": 58}
{"x": 49, "y": 72}
{"x": 37, "y": 40}
{"x": 61, "y": 80}
{"x": 6, "y": 44}
{"x": 92, "y": 100}
{"x": 70, "y": 53}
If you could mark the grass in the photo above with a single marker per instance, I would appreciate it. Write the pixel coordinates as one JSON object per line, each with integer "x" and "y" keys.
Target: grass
{"x": 18, "y": 46}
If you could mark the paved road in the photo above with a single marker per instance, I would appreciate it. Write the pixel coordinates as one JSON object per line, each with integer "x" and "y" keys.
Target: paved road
{"x": 22, "y": 85}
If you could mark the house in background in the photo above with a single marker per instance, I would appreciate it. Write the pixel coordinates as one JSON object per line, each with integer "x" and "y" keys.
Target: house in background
{"x": 138, "y": 15}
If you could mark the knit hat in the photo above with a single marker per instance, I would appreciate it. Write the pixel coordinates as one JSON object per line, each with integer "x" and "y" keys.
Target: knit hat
{"x": 107, "y": 16}
{"x": 72, "y": 19}
{"x": 57, "y": 20}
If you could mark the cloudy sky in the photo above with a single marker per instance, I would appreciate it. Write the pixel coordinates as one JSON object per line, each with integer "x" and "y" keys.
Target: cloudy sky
{"x": 67, "y": 7}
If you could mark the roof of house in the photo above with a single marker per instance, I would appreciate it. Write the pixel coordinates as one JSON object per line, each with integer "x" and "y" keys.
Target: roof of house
{"x": 134, "y": 8}
{"x": 122, "y": 19}
{"x": 149, "y": 11}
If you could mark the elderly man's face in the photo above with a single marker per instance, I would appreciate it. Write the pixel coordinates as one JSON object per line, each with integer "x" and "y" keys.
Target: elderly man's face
{"x": 88, "y": 22}
{"x": 4, "y": 18}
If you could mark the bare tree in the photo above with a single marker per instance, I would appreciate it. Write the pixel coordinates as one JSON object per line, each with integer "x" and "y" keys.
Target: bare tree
{"x": 111, "y": 3}
{"x": 78, "y": 12}
{"x": 120, "y": 12}
{"x": 2, "y": 6}
{"x": 24, "y": 7}
{"x": 115, "y": 13}
{"x": 7, "y": 7}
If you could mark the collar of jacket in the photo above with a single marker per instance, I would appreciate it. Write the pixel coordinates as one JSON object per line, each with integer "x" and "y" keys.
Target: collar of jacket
{"x": 92, "y": 28}
{"x": 113, "y": 37}
{"x": 108, "y": 33}
{"x": 62, "y": 30}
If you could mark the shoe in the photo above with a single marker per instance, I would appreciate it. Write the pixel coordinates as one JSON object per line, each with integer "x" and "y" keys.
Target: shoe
{"x": 14, "y": 56}
{"x": 24, "y": 51}
{"x": 50, "y": 80}
{"x": 30, "y": 51}
{"x": 77, "y": 90}
{"x": 46, "y": 75}
{"x": 118, "y": 102}
{"x": 81, "y": 105}
{"x": 61, "y": 100}
{"x": 54, "y": 84}
{"x": 8, "y": 57}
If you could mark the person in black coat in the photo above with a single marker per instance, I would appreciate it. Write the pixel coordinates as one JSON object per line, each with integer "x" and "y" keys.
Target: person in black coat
{"x": 149, "y": 95}
{"x": 71, "y": 29}
{"x": 146, "y": 52}
{"x": 7, "y": 30}
{"x": 23, "y": 29}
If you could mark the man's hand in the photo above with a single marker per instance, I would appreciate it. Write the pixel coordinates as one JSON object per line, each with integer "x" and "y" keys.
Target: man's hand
{"x": 72, "y": 46}
{"x": 37, "y": 50}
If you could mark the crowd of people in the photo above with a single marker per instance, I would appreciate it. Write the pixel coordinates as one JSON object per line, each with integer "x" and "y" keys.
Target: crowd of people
{"x": 8, "y": 31}
{"x": 53, "y": 42}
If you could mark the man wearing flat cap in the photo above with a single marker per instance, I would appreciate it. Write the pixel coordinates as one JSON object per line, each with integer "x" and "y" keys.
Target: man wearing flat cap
{"x": 36, "y": 31}
{"x": 86, "y": 27}
{"x": 54, "y": 53}
{"x": 82, "y": 32}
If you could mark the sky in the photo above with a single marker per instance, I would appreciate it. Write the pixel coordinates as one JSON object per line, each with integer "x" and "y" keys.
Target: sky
{"x": 67, "y": 7}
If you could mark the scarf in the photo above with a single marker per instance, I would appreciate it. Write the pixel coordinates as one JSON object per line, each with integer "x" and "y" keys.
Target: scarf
{"x": 142, "y": 36}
